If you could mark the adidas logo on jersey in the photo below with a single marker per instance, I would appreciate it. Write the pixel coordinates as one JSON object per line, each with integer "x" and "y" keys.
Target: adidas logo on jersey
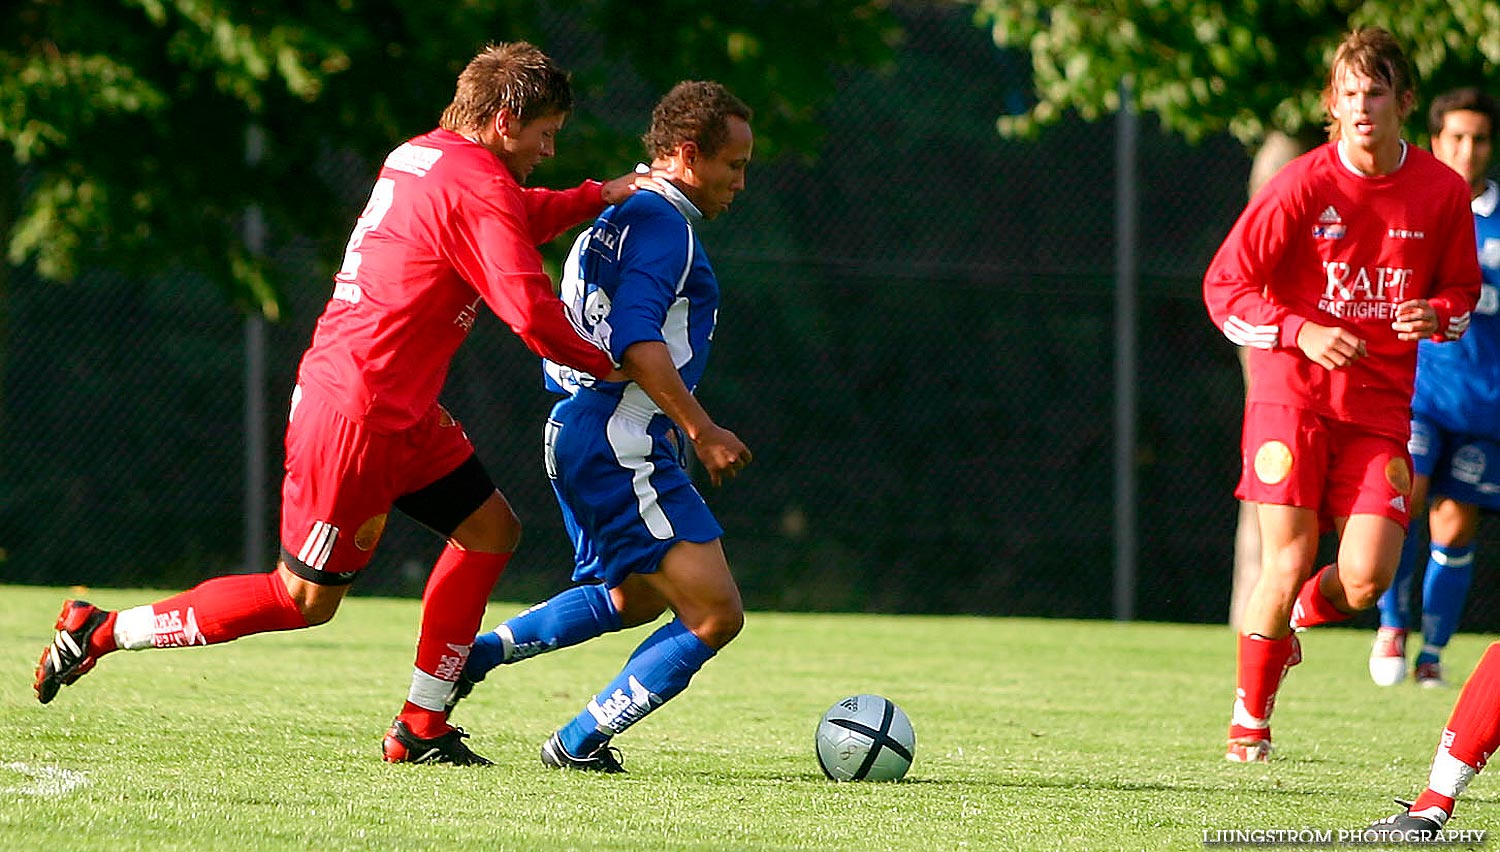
{"x": 1330, "y": 225}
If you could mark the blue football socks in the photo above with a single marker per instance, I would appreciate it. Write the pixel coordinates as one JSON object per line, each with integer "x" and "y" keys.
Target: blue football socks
{"x": 567, "y": 618}
{"x": 1395, "y": 604}
{"x": 659, "y": 669}
{"x": 1450, "y": 570}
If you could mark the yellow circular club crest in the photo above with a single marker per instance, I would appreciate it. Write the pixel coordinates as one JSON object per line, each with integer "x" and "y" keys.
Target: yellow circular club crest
{"x": 1273, "y": 461}
{"x": 1398, "y": 475}
{"x": 369, "y": 533}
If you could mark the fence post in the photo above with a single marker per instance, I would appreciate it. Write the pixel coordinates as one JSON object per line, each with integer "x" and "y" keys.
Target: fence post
{"x": 255, "y": 382}
{"x": 1125, "y": 356}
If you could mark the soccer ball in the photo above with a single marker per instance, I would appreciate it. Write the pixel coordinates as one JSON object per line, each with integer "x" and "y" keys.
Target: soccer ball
{"x": 865, "y": 738}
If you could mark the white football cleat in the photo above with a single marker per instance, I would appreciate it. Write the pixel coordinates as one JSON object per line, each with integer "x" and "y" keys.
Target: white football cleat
{"x": 1388, "y": 657}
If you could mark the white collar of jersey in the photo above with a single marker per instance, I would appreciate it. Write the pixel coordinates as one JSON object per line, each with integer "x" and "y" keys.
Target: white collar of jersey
{"x": 671, "y": 193}
{"x": 1485, "y": 204}
{"x": 1344, "y": 158}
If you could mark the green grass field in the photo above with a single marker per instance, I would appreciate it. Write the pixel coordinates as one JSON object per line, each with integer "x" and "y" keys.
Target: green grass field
{"x": 1031, "y": 734}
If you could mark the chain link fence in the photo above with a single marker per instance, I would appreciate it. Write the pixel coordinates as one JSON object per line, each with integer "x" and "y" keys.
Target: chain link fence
{"x": 916, "y": 340}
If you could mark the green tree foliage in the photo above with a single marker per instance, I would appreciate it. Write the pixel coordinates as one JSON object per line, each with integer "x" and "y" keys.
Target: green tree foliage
{"x": 123, "y": 123}
{"x": 1205, "y": 67}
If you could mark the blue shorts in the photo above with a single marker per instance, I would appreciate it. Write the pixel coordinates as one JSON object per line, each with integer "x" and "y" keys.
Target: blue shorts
{"x": 1460, "y": 467}
{"x": 624, "y": 494}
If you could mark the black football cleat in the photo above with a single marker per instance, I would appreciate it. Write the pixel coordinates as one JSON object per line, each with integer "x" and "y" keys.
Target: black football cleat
{"x": 605, "y": 758}
{"x": 402, "y": 746}
{"x": 1407, "y": 827}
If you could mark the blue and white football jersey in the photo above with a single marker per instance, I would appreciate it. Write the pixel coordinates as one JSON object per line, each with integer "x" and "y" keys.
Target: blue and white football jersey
{"x": 1458, "y": 382}
{"x": 638, "y": 274}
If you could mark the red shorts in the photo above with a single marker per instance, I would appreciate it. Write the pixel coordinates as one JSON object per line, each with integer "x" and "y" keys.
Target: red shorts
{"x": 342, "y": 479}
{"x": 1293, "y": 457}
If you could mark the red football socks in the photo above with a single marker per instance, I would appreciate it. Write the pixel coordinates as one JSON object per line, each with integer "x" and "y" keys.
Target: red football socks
{"x": 224, "y": 609}
{"x": 1431, "y": 799}
{"x": 452, "y": 608}
{"x": 1262, "y": 666}
{"x": 102, "y": 640}
{"x": 1313, "y": 607}
{"x": 1474, "y": 727}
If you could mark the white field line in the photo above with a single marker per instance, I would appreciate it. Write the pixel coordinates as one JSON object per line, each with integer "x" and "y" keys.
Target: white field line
{"x": 45, "y": 780}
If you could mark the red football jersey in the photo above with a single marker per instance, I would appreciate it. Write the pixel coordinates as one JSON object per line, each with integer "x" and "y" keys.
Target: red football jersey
{"x": 446, "y": 228}
{"x": 1322, "y": 242}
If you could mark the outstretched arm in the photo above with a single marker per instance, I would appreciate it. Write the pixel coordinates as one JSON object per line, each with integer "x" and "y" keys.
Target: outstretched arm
{"x": 491, "y": 249}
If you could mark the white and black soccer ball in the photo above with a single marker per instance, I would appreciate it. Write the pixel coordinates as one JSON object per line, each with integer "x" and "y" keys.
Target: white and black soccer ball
{"x": 865, "y": 738}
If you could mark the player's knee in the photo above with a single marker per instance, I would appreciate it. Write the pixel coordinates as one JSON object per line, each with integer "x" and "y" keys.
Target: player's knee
{"x": 316, "y": 603}
{"x": 1283, "y": 575}
{"x": 719, "y": 629}
{"x": 509, "y": 533}
{"x": 317, "y": 609}
{"x": 493, "y": 528}
{"x": 734, "y": 625}
{"x": 1362, "y": 592}
{"x": 504, "y": 531}
{"x": 510, "y": 536}
{"x": 314, "y": 617}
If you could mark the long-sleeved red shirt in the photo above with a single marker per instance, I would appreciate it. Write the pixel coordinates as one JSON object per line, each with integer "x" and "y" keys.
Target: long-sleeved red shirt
{"x": 1324, "y": 243}
{"x": 447, "y": 227}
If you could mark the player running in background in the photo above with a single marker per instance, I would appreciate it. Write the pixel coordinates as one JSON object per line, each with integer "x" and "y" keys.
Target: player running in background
{"x": 1347, "y": 257}
{"x": 644, "y": 540}
{"x": 447, "y": 229}
{"x": 1455, "y": 429}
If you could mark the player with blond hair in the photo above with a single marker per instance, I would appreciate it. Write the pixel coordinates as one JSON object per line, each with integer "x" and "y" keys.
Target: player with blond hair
{"x": 1338, "y": 266}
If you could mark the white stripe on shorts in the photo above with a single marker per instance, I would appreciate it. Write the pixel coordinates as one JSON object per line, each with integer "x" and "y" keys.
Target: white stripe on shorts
{"x": 319, "y": 544}
{"x": 629, "y": 439}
